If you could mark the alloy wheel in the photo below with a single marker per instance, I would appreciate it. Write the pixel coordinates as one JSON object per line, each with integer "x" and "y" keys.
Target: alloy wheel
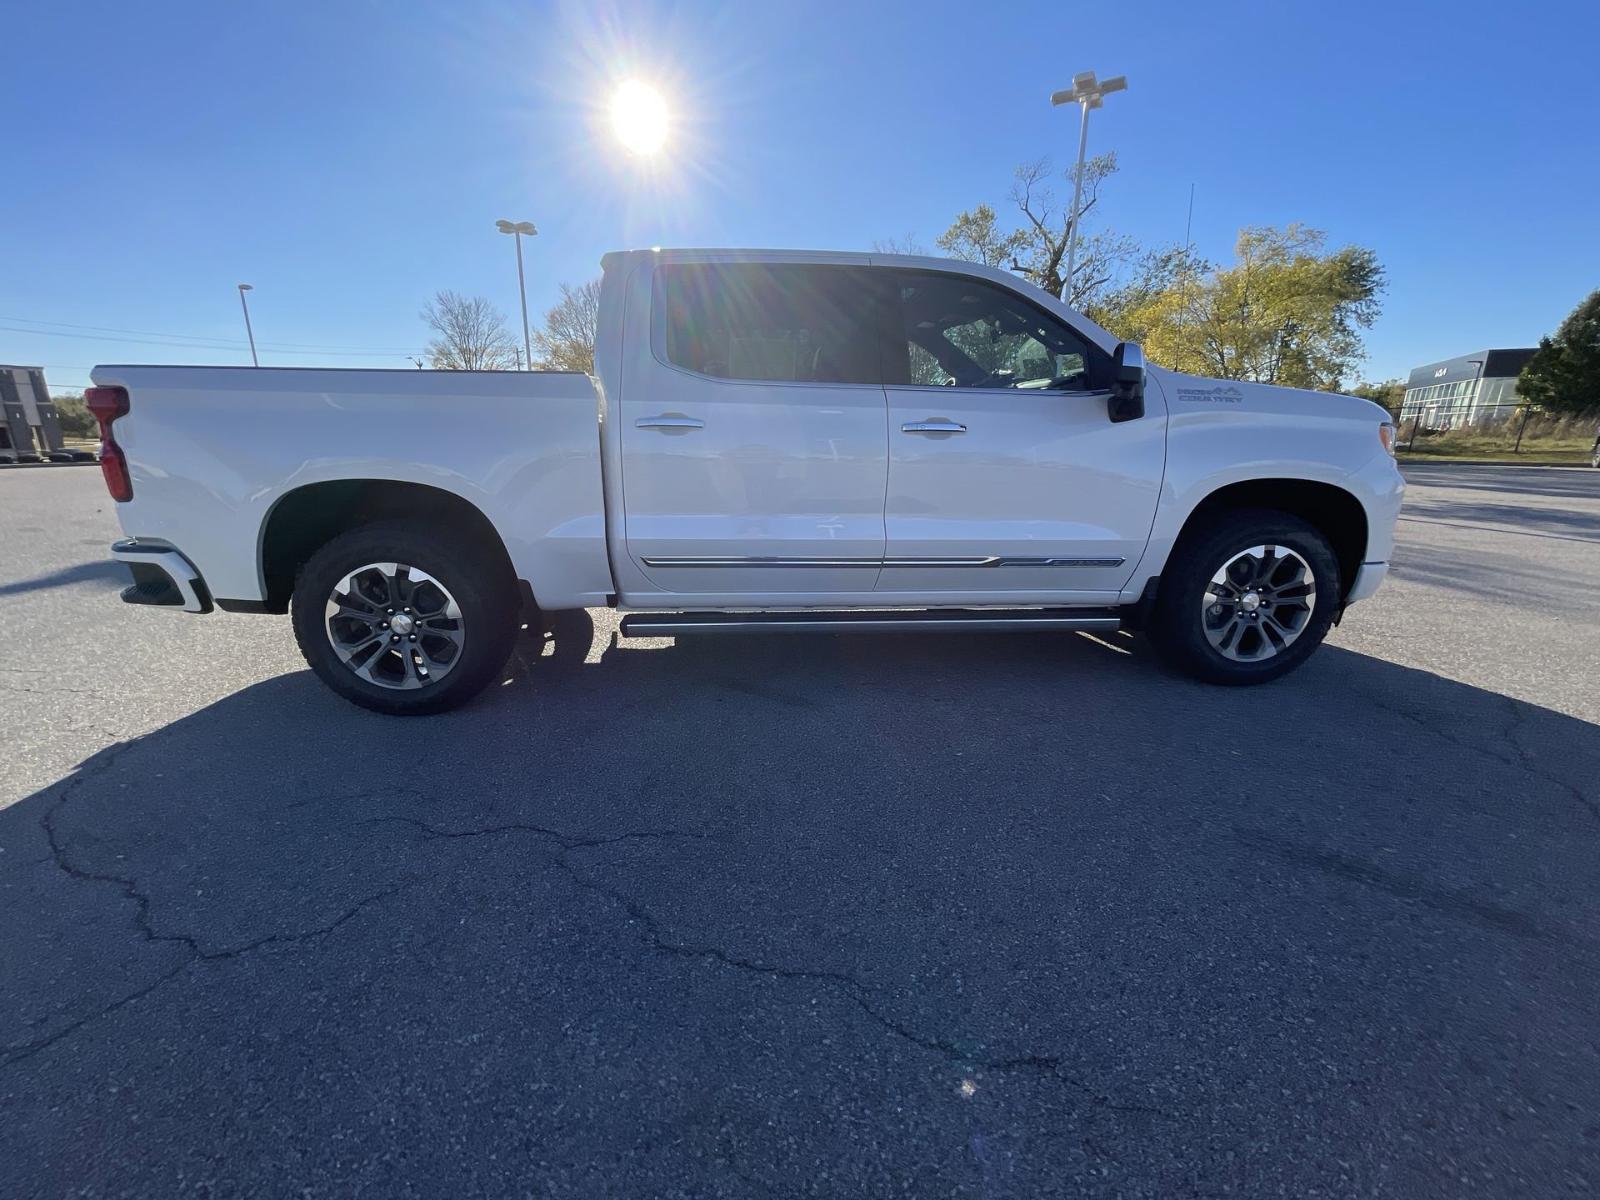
{"x": 1259, "y": 603}
{"x": 395, "y": 626}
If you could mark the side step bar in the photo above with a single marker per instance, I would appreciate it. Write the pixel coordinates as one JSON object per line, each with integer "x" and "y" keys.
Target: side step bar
{"x": 964, "y": 620}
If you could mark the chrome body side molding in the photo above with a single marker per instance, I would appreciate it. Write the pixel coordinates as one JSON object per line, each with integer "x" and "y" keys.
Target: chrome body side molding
{"x": 778, "y": 561}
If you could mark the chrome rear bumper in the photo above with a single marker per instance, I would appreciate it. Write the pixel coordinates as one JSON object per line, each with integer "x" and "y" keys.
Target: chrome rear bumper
{"x": 161, "y": 576}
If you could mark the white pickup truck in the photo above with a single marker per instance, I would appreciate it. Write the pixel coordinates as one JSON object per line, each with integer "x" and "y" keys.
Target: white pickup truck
{"x": 771, "y": 441}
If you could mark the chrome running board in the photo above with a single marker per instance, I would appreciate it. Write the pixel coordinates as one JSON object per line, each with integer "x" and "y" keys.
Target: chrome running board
{"x": 962, "y": 620}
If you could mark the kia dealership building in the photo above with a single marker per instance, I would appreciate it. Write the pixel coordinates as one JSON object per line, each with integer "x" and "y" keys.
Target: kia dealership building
{"x": 1475, "y": 389}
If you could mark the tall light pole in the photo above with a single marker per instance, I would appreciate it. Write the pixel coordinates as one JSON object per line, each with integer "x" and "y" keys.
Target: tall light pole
{"x": 516, "y": 230}
{"x": 250, "y": 333}
{"x": 1086, "y": 93}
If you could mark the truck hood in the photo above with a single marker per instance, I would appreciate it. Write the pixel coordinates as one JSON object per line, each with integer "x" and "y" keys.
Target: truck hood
{"x": 1190, "y": 393}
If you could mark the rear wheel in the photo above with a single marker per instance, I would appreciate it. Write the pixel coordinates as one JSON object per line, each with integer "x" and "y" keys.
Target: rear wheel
{"x": 1247, "y": 599}
{"x": 403, "y": 621}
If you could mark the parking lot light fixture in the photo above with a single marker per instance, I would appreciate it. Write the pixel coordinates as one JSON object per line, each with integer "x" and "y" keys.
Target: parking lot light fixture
{"x": 248, "y": 332}
{"x": 1086, "y": 92}
{"x": 517, "y": 229}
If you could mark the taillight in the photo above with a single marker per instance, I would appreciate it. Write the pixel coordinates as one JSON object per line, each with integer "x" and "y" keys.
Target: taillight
{"x": 107, "y": 404}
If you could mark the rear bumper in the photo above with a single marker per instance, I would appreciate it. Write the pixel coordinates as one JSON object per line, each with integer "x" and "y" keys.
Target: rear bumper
{"x": 1367, "y": 580}
{"x": 161, "y": 577}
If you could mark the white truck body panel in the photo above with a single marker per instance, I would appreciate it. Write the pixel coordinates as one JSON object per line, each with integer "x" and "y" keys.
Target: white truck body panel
{"x": 213, "y": 449}
{"x": 659, "y": 488}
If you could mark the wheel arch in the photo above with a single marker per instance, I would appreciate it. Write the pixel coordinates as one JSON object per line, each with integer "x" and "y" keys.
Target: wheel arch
{"x": 306, "y": 518}
{"x": 1335, "y": 512}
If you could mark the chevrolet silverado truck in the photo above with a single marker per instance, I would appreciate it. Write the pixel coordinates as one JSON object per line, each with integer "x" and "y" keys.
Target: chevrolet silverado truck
{"x": 771, "y": 441}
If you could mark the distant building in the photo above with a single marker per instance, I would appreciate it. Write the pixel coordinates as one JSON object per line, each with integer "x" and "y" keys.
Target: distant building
{"x": 26, "y": 414}
{"x": 1475, "y": 389}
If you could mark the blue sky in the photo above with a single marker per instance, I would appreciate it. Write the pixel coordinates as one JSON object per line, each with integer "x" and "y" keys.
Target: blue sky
{"x": 349, "y": 159}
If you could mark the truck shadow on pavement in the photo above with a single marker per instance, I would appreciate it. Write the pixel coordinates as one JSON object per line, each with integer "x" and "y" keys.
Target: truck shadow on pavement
{"x": 110, "y": 574}
{"x": 849, "y": 915}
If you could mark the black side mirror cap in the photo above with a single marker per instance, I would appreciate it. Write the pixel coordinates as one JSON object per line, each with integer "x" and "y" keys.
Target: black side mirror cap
{"x": 1127, "y": 383}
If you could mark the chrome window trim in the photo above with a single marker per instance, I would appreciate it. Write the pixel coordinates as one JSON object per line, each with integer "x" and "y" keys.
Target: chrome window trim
{"x": 951, "y": 390}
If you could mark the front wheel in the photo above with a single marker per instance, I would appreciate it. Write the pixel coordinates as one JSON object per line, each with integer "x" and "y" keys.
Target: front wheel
{"x": 1246, "y": 600}
{"x": 403, "y": 621}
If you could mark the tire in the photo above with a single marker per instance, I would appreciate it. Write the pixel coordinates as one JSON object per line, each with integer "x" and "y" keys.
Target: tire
{"x": 1214, "y": 631}
{"x": 460, "y": 623}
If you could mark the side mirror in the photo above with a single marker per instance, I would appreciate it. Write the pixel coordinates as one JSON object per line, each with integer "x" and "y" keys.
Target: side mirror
{"x": 1127, "y": 383}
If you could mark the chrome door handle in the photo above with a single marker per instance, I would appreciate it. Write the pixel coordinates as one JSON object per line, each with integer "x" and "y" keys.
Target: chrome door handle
{"x": 932, "y": 427}
{"x": 667, "y": 422}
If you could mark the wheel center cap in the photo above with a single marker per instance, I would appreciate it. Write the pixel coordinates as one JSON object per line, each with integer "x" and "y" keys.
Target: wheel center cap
{"x": 402, "y": 624}
{"x": 1250, "y": 601}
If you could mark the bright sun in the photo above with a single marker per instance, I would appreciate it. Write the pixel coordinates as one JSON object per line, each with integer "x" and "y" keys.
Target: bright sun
{"x": 639, "y": 117}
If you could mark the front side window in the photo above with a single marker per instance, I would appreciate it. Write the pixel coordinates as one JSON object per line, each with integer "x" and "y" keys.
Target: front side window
{"x": 769, "y": 322}
{"x": 964, "y": 332}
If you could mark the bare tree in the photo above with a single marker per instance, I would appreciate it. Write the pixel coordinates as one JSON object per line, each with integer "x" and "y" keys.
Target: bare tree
{"x": 471, "y": 335}
{"x": 1047, "y": 222}
{"x": 566, "y": 343}
{"x": 900, "y": 245}
{"x": 1037, "y": 248}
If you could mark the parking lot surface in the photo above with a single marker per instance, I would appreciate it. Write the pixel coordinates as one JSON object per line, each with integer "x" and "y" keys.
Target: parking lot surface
{"x": 1008, "y": 915}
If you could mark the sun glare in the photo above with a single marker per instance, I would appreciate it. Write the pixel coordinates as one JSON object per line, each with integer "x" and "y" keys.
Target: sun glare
{"x": 639, "y": 117}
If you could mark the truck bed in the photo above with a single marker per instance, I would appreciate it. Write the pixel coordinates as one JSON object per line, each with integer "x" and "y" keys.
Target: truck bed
{"x": 521, "y": 446}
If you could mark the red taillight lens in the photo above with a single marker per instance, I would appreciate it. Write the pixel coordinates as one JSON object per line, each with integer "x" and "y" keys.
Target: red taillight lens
{"x": 107, "y": 404}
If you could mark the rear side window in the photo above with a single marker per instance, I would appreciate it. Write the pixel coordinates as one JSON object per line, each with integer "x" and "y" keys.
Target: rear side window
{"x": 770, "y": 322}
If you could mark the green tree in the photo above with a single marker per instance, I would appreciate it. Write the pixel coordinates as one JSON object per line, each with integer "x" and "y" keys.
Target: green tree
{"x": 1564, "y": 373}
{"x": 1287, "y": 311}
{"x": 566, "y": 343}
{"x": 76, "y": 419}
{"x": 976, "y": 236}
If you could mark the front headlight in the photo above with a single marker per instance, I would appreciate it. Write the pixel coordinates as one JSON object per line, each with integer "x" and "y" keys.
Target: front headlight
{"x": 1386, "y": 436}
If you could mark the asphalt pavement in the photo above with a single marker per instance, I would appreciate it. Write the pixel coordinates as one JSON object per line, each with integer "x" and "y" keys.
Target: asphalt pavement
{"x": 990, "y": 916}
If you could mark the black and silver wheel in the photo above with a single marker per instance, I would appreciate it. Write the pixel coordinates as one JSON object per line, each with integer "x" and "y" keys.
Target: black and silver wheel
{"x": 1258, "y": 603}
{"x": 403, "y": 622}
{"x": 1246, "y": 599}
{"x": 395, "y": 626}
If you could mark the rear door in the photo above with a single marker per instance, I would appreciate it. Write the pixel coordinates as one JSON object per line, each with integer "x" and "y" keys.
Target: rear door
{"x": 753, "y": 431}
{"x": 1007, "y": 479}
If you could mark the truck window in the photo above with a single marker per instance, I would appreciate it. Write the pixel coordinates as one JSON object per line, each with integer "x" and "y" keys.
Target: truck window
{"x": 769, "y": 322}
{"x": 964, "y": 332}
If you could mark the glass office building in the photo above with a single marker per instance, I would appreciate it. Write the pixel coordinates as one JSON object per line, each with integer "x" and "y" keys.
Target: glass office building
{"x": 1475, "y": 389}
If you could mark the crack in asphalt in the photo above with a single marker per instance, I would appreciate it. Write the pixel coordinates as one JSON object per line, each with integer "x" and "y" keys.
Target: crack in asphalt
{"x": 195, "y": 952}
{"x": 860, "y": 993}
{"x": 1524, "y": 759}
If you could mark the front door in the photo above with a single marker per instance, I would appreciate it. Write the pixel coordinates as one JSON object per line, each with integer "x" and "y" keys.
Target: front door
{"x": 753, "y": 432}
{"x": 1008, "y": 483}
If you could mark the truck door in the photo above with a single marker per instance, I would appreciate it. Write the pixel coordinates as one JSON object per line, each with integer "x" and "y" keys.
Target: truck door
{"x": 753, "y": 431}
{"x": 1007, "y": 480}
